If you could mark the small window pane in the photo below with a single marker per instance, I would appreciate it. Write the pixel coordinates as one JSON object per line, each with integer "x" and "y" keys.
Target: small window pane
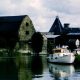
{"x": 27, "y": 24}
{"x": 27, "y": 32}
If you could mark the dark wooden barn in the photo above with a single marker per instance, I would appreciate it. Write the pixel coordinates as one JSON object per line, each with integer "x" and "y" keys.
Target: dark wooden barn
{"x": 15, "y": 29}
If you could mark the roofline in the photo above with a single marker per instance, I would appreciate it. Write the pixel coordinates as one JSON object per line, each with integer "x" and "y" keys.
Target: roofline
{"x": 13, "y": 15}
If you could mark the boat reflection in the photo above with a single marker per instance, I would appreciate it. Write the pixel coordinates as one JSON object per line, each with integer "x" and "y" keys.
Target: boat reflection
{"x": 61, "y": 71}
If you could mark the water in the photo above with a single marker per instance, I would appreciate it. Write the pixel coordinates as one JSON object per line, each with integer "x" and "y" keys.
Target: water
{"x": 29, "y": 67}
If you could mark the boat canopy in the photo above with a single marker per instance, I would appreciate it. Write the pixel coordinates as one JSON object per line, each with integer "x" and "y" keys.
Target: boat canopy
{"x": 60, "y": 50}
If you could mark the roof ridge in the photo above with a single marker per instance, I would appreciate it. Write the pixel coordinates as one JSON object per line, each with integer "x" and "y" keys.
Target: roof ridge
{"x": 56, "y": 25}
{"x": 13, "y": 15}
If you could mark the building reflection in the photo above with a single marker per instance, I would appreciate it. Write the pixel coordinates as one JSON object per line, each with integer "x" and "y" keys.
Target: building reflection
{"x": 8, "y": 70}
{"x": 61, "y": 71}
{"x": 14, "y": 67}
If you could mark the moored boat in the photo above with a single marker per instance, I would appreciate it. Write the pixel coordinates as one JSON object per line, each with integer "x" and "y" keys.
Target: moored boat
{"x": 61, "y": 55}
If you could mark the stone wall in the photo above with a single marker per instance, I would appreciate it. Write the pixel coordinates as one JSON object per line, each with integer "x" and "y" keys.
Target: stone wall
{"x": 25, "y": 33}
{"x": 26, "y": 29}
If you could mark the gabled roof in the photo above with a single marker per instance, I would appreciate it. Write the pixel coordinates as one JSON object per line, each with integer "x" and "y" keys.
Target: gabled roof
{"x": 56, "y": 27}
{"x": 11, "y": 18}
{"x": 10, "y": 23}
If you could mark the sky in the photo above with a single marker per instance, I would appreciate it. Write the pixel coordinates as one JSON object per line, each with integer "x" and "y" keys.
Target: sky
{"x": 43, "y": 12}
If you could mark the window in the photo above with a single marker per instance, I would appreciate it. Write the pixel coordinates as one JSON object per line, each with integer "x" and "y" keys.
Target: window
{"x": 27, "y": 24}
{"x": 27, "y": 32}
{"x": 55, "y": 57}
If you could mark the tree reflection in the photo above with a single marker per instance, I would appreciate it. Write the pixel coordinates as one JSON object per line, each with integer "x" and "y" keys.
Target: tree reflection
{"x": 36, "y": 66}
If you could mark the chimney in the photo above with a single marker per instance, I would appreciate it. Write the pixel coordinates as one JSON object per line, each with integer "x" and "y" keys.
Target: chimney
{"x": 66, "y": 25}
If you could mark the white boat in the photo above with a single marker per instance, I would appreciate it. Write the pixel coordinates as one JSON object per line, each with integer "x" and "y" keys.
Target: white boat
{"x": 61, "y": 55}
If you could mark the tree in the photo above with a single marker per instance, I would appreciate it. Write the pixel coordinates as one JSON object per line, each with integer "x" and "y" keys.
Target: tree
{"x": 37, "y": 42}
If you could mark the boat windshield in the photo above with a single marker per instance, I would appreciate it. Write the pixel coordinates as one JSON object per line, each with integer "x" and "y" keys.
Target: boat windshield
{"x": 57, "y": 50}
{"x": 60, "y": 50}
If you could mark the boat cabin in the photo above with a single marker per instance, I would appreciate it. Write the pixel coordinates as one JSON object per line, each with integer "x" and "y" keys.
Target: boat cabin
{"x": 60, "y": 50}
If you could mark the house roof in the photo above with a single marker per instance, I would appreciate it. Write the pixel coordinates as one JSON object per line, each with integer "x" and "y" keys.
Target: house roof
{"x": 74, "y": 30}
{"x": 11, "y": 18}
{"x": 56, "y": 27}
{"x": 73, "y": 33}
{"x": 52, "y": 36}
{"x": 10, "y": 23}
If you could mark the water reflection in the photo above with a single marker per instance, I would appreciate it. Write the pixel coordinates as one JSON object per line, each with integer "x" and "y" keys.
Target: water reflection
{"x": 30, "y": 67}
{"x": 14, "y": 67}
{"x": 61, "y": 72}
{"x": 8, "y": 70}
{"x": 36, "y": 66}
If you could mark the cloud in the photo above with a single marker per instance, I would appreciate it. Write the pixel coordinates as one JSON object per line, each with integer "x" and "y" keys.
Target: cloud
{"x": 6, "y": 7}
{"x": 43, "y": 12}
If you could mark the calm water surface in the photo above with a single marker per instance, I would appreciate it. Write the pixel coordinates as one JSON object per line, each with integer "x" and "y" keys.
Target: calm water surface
{"x": 36, "y": 68}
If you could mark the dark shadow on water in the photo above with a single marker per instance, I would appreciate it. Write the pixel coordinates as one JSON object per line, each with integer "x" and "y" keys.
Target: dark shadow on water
{"x": 8, "y": 70}
{"x": 36, "y": 65}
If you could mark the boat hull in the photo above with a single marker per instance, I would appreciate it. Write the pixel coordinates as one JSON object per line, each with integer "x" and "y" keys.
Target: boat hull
{"x": 63, "y": 59}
